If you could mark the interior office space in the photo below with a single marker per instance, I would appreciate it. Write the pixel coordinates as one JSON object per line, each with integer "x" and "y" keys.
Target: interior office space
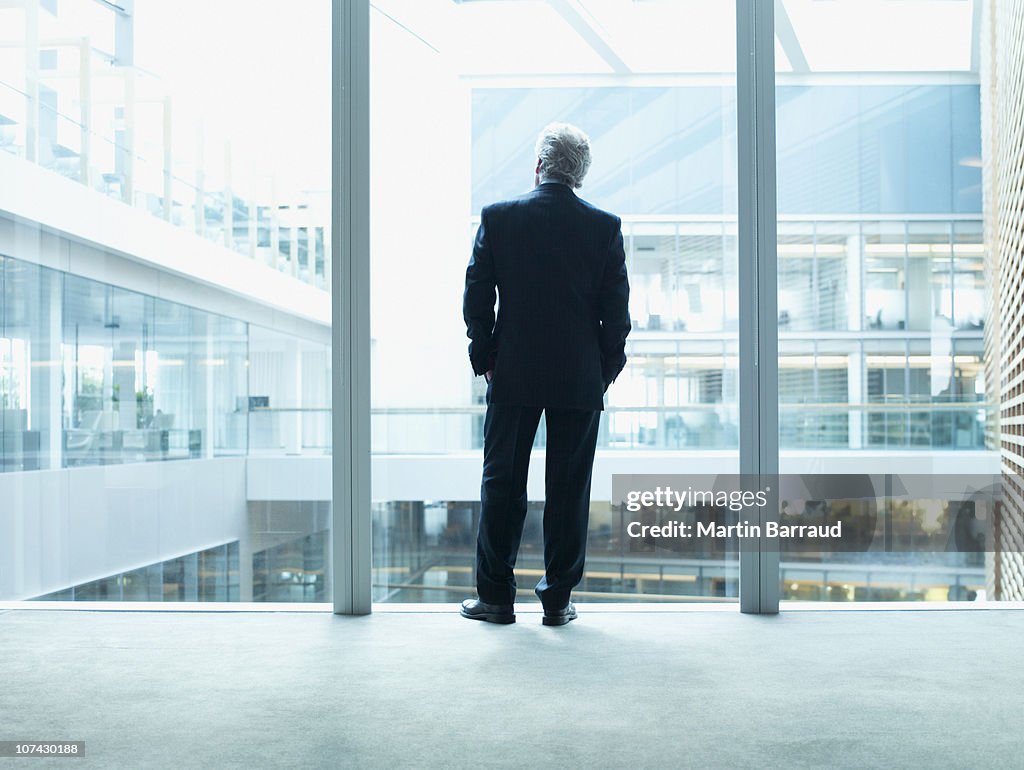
{"x": 240, "y": 442}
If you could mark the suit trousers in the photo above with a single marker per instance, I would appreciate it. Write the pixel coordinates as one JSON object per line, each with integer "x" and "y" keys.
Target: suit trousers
{"x": 508, "y": 438}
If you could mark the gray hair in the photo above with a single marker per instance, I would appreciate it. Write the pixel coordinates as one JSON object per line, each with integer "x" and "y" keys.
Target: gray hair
{"x": 564, "y": 154}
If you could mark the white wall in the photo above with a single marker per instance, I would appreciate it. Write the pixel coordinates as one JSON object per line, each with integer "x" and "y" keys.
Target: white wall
{"x": 66, "y": 527}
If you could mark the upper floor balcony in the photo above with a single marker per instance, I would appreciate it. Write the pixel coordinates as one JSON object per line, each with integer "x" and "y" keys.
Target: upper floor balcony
{"x": 73, "y": 102}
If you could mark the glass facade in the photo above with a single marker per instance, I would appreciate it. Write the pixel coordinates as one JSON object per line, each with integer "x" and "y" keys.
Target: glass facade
{"x": 91, "y": 374}
{"x": 881, "y": 309}
{"x": 143, "y": 378}
{"x": 881, "y": 268}
{"x": 858, "y": 150}
{"x": 95, "y": 375}
{"x": 164, "y": 301}
{"x": 853, "y": 261}
{"x": 665, "y": 161}
{"x": 882, "y": 293}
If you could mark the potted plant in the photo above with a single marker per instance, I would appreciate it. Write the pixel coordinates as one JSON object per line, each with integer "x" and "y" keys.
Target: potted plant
{"x": 143, "y": 408}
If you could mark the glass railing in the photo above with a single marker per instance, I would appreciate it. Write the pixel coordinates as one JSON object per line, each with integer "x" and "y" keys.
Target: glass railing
{"x": 289, "y": 431}
{"x": 440, "y": 431}
{"x": 869, "y": 577}
{"x": 95, "y": 447}
{"x": 291, "y": 236}
{"x": 442, "y": 578}
{"x": 708, "y": 426}
{"x": 306, "y": 431}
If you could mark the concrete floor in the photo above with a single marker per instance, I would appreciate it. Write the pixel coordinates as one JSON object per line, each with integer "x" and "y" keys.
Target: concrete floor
{"x": 688, "y": 689}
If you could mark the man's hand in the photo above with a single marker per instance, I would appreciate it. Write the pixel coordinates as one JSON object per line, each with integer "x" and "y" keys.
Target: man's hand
{"x": 489, "y": 375}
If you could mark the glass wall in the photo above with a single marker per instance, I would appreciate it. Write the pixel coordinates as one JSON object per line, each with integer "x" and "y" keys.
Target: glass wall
{"x": 30, "y": 340}
{"x": 868, "y": 260}
{"x": 290, "y": 394}
{"x": 115, "y": 377}
{"x": 881, "y": 294}
{"x": 881, "y": 289}
{"x": 664, "y": 160}
{"x": 147, "y": 379}
{"x": 165, "y": 315}
{"x": 881, "y": 279}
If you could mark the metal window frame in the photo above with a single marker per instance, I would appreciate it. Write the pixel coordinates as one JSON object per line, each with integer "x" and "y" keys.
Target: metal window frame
{"x": 350, "y": 283}
{"x": 758, "y": 286}
{"x": 351, "y": 556}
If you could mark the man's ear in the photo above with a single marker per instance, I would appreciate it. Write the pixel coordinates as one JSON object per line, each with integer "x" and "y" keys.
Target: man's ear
{"x": 537, "y": 169}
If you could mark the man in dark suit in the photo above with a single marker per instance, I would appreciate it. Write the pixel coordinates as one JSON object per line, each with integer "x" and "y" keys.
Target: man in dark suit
{"x": 558, "y": 267}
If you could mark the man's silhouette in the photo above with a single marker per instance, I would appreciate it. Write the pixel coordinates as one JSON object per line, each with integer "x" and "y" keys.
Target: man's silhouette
{"x": 557, "y": 266}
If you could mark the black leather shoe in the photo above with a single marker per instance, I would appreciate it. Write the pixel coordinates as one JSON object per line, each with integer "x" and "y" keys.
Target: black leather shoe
{"x": 559, "y": 617}
{"x": 474, "y": 609}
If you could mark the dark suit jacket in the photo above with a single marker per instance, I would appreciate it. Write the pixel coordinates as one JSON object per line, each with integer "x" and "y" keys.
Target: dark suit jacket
{"x": 559, "y": 268}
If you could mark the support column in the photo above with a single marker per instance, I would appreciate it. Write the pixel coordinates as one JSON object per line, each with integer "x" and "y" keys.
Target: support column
{"x": 200, "y": 208}
{"x": 124, "y": 33}
{"x": 253, "y": 229}
{"x": 229, "y": 201}
{"x": 854, "y": 282}
{"x": 168, "y": 161}
{"x": 291, "y": 421}
{"x": 32, "y": 81}
{"x": 275, "y": 227}
{"x": 293, "y": 241}
{"x": 758, "y": 290}
{"x": 855, "y": 323}
{"x": 210, "y": 385}
{"x": 85, "y": 109}
{"x": 46, "y": 414}
{"x": 128, "y": 151}
{"x": 855, "y": 395}
{"x": 350, "y": 302}
{"x": 310, "y": 246}
{"x": 327, "y": 257}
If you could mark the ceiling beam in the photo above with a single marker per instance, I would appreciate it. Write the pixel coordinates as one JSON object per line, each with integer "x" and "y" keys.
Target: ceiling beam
{"x": 586, "y": 27}
{"x": 787, "y": 38}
